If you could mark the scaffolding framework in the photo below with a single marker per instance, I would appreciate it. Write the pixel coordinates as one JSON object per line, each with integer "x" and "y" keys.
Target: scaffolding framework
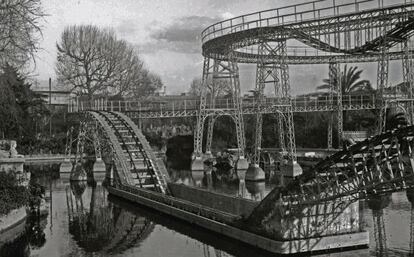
{"x": 220, "y": 70}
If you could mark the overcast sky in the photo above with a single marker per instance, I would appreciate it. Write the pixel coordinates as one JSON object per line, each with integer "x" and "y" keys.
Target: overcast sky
{"x": 167, "y": 35}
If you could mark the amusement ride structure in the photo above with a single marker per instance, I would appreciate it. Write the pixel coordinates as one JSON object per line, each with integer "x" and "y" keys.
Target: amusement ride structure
{"x": 332, "y": 32}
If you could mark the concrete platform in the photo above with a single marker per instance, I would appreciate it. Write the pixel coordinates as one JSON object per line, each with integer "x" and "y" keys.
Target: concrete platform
{"x": 202, "y": 216}
{"x": 99, "y": 166}
{"x": 65, "y": 166}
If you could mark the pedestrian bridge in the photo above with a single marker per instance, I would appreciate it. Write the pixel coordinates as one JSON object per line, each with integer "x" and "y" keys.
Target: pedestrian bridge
{"x": 190, "y": 106}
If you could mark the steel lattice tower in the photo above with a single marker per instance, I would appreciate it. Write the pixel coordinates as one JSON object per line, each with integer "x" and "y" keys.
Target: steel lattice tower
{"x": 220, "y": 70}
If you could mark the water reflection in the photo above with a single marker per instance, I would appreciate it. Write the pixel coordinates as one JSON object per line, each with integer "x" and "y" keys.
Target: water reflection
{"x": 377, "y": 203}
{"x": 101, "y": 226}
{"x": 84, "y": 221}
{"x": 32, "y": 237}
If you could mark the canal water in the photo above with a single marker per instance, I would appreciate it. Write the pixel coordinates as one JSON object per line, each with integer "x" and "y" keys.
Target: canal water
{"x": 82, "y": 220}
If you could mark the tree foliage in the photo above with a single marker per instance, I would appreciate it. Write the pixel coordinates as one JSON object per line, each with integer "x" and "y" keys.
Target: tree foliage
{"x": 350, "y": 81}
{"x": 12, "y": 196}
{"x": 20, "y": 107}
{"x": 94, "y": 61}
{"x": 19, "y": 30}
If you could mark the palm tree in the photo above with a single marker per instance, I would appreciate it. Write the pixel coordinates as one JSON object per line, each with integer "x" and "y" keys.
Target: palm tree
{"x": 350, "y": 81}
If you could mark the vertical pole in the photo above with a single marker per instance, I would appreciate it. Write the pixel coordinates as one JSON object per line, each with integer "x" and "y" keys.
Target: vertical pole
{"x": 382, "y": 79}
{"x": 50, "y": 108}
{"x": 238, "y": 116}
{"x": 280, "y": 122}
{"x": 198, "y": 134}
{"x": 211, "y": 119}
{"x": 339, "y": 104}
{"x": 261, "y": 72}
{"x": 284, "y": 75}
{"x": 407, "y": 64}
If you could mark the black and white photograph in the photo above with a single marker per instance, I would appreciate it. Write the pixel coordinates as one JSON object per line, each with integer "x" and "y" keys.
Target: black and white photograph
{"x": 206, "y": 128}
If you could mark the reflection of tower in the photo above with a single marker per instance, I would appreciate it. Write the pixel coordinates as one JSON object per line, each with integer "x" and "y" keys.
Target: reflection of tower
{"x": 377, "y": 203}
{"x": 410, "y": 197}
{"x": 256, "y": 189}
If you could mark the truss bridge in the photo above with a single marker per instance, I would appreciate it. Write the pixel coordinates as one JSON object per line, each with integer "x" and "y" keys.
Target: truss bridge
{"x": 379, "y": 165}
{"x": 118, "y": 140}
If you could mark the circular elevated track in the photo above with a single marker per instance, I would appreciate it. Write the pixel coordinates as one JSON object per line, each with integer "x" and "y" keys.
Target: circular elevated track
{"x": 317, "y": 32}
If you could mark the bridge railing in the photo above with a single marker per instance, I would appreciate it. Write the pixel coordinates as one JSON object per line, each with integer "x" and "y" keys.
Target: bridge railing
{"x": 311, "y": 103}
{"x": 311, "y": 10}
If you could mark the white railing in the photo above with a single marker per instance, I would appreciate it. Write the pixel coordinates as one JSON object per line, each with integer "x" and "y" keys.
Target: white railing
{"x": 305, "y": 102}
{"x": 311, "y": 10}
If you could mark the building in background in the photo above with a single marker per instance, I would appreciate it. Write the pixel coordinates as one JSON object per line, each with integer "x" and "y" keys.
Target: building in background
{"x": 59, "y": 95}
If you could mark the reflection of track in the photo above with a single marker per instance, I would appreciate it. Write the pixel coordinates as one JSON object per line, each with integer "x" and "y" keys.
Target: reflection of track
{"x": 135, "y": 162}
{"x": 381, "y": 164}
{"x": 101, "y": 227}
{"x": 129, "y": 229}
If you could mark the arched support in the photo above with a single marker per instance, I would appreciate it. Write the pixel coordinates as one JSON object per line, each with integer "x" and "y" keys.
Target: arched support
{"x": 212, "y": 76}
{"x": 66, "y": 165}
{"x": 99, "y": 165}
{"x": 78, "y": 173}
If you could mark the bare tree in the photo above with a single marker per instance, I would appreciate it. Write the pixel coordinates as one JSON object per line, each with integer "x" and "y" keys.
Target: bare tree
{"x": 93, "y": 61}
{"x": 19, "y": 31}
{"x": 220, "y": 87}
{"x": 145, "y": 84}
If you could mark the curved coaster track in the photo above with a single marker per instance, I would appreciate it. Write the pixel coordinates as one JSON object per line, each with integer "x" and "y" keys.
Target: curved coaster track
{"x": 134, "y": 162}
{"x": 348, "y": 31}
{"x": 379, "y": 165}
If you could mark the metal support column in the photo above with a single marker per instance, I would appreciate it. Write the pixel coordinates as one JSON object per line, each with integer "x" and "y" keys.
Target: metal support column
{"x": 96, "y": 142}
{"x": 212, "y": 104}
{"x": 332, "y": 87}
{"x": 408, "y": 78}
{"x": 210, "y": 130}
{"x": 198, "y": 133}
{"x": 281, "y": 129}
{"x": 220, "y": 70}
{"x": 339, "y": 105}
{"x": 263, "y": 72}
{"x": 330, "y": 128}
{"x": 382, "y": 77}
{"x": 285, "y": 85}
{"x": 238, "y": 115}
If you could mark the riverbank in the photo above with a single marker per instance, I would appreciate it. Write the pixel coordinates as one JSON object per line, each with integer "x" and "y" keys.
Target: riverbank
{"x": 12, "y": 225}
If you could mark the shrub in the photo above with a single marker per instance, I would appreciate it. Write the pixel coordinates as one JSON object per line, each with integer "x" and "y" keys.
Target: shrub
{"x": 12, "y": 196}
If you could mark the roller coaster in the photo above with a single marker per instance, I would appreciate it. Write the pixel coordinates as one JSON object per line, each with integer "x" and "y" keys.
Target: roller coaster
{"x": 333, "y": 32}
